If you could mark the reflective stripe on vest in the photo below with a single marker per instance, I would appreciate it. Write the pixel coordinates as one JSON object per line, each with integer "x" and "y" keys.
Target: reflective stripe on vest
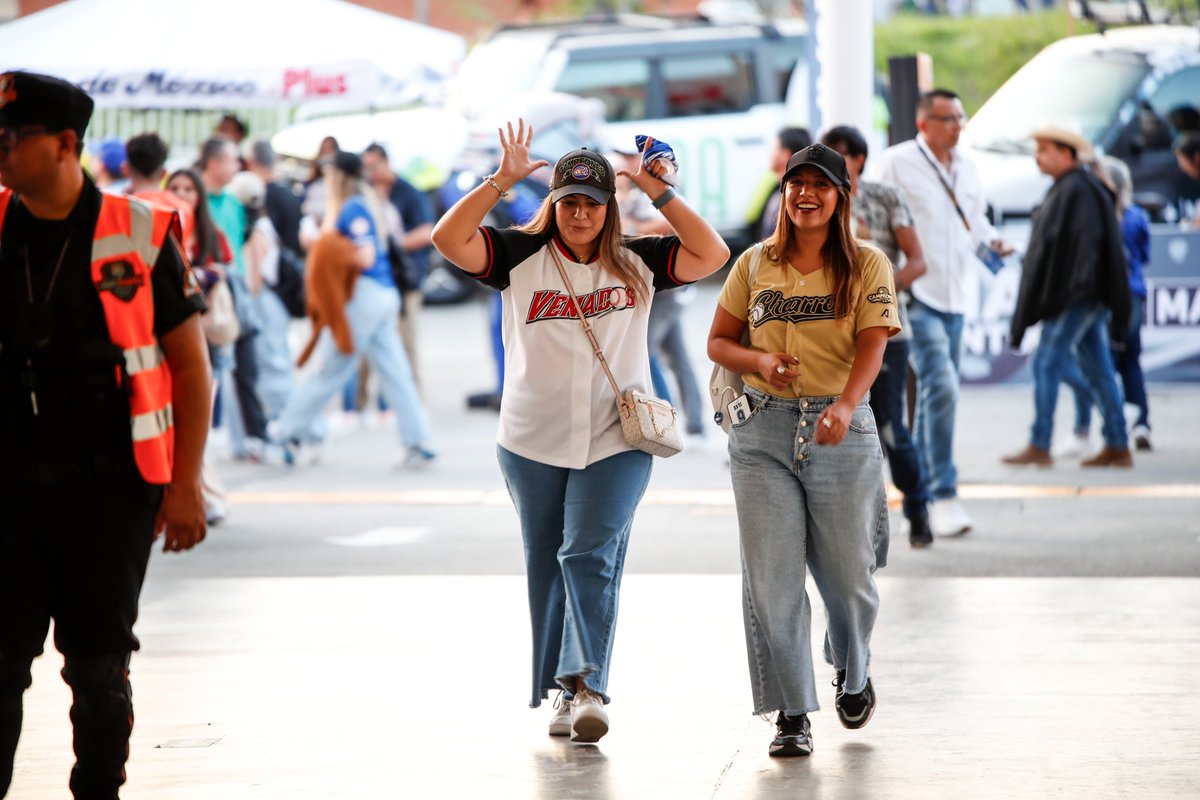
{"x": 129, "y": 236}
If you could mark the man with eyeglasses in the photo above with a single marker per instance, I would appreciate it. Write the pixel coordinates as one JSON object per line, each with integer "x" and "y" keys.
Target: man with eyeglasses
{"x": 104, "y": 409}
{"x": 945, "y": 195}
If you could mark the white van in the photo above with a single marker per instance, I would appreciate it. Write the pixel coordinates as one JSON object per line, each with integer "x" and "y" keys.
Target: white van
{"x": 1120, "y": 88}
{"x": 715, "y": 92}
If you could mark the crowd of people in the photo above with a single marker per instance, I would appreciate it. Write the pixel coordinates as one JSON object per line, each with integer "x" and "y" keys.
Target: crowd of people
{"x": 850, "y": 284}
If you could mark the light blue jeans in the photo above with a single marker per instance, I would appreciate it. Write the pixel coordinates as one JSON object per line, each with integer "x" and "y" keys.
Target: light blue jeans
{"x": 372, "y": 314}
{"x": 276, "y": 373}
{"x": 575, "y": 524}
{"x": 1078, "y": 336}
{"x": 934, "y": 352}
{"x": 805, "y": 507}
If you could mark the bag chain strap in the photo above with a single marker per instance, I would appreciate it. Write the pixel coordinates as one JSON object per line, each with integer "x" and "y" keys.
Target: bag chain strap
{"x": 587, "y": 328}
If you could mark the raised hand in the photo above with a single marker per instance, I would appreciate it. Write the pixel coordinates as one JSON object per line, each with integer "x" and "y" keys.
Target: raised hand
{"x": 515, "y": 163}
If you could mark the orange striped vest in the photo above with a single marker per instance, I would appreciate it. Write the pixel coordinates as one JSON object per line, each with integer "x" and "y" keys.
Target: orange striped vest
{"x": 129, "y": 235}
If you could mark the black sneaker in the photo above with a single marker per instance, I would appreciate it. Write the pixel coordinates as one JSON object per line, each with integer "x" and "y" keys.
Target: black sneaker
{"x": 791, "y": 737}
{"x": 919, "y": 533}
{"x": 854, "y": 710}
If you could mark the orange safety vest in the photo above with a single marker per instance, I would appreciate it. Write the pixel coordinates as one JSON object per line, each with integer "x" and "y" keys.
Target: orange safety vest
{"x": 129, "y": 235}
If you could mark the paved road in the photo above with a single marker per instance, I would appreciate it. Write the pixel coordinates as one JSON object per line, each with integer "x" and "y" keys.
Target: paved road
{"x": 355, "y": 630}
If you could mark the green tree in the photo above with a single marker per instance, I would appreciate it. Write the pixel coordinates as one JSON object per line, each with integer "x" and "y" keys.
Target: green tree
{"x": 973, "y": 55}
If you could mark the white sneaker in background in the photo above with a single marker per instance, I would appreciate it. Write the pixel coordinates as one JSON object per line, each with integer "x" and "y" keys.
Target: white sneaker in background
{"x": 1072, "y": 445}
{"x": 948, "y": 517}
{"x": 1141, "y": 437}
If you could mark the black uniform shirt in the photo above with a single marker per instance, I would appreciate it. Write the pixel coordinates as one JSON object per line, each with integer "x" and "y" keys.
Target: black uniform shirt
{"x": 60, "y": 349}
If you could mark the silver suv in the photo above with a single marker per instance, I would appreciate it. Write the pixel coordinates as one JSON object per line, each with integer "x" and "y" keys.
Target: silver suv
{"x": 715, "y": 92}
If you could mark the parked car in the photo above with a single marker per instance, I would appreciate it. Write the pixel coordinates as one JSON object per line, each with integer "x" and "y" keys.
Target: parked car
{"x": 1120, "y": 87}
{"x": 716, "y": 92}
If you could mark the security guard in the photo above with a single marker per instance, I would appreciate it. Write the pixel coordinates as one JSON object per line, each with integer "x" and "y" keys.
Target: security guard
{"x": 104, "y": 409}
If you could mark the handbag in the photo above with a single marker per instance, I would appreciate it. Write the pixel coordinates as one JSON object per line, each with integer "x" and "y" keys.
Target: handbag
{"x": 648, "y": 423}
{"x": 726, "y": 385}
{"x": 220, "y": 322}
{"x": 405, "y": 271}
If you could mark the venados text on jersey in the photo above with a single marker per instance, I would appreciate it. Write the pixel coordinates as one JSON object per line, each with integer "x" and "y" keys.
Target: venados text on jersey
{"x": 553, "y": 304}
{"x": 772, "y": 305}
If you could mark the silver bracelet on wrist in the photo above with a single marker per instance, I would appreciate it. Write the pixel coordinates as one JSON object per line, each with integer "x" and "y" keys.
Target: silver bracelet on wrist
{"x": 490, "y": 180}
{"x": 664, "y": 198}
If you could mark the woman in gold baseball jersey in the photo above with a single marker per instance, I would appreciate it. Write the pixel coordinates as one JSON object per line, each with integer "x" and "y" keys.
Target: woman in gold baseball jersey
{"x": 805, "y": 456}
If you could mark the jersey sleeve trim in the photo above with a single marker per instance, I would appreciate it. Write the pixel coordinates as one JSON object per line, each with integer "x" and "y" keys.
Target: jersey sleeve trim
{"x": 491, "y": 255}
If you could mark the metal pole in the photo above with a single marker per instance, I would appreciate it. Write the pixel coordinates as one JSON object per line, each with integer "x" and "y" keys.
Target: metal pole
{"x": 814, "y": 65}
{"x": 845, "y": 50}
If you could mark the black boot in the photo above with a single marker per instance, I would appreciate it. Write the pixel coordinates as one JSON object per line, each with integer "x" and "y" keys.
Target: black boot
{"x": 10, "y": 733}
{"x": 919, "y": 533}
{"x": 14, "y": 681}
{"x": 102, "y": 716}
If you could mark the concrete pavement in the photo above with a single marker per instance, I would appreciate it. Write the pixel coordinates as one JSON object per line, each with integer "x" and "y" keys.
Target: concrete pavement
{"x": 355, "y": 631}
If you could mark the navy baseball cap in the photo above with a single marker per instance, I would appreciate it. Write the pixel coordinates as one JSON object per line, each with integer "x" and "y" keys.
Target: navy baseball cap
{"x": 818, "y": 155}
{"x": 348, "y": 163}
{"x": 27, "y": 98}
{"x": 584, "y": 172}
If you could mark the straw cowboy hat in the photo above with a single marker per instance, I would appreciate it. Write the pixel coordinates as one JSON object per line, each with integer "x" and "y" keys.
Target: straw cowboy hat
{"x": 1068, "y": 134}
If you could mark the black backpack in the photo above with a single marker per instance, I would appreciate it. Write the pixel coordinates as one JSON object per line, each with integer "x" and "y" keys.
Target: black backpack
{"x": 290, "y": 286}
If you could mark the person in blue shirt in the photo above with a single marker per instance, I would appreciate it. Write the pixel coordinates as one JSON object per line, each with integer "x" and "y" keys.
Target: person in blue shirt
{"x": 356, "y": 212}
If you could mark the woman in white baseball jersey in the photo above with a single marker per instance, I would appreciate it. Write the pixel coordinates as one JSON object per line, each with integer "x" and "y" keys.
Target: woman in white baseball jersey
{"x": 803, "y": 449}
{"x": 573, "y": 479}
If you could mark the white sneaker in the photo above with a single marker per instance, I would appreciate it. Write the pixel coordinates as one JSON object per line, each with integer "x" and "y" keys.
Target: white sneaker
{"x": 1072, "y": 445}
{"x": 948, "y": 517}
{"x": 590, "y": 721}
{"x": 1141, "y": 437}
{"x": 560, "y": 723}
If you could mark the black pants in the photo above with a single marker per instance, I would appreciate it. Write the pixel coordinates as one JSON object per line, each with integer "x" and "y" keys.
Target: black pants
{"x": 887, "y": 404}
{"x": 76, "y": 554}
{"x": 245, "y": 381}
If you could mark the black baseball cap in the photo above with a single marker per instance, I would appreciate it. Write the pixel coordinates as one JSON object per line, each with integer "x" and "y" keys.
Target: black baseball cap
{"x": 348, "y": 163}
{"x": 818, "y": 155}
{"x": 27, "y": 98}
{"x": 584, "y": 172}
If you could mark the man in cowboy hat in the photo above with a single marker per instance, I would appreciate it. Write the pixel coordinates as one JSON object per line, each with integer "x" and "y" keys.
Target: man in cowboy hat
{"x": 1073, "y": 282}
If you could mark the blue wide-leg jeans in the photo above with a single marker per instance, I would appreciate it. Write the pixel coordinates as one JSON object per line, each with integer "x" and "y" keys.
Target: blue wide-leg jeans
{"x": 575, "y": 524}
{"x": 804, "y": 507}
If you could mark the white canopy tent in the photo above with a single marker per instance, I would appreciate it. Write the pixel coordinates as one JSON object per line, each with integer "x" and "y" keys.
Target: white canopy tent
{"x": 157, "y": 54}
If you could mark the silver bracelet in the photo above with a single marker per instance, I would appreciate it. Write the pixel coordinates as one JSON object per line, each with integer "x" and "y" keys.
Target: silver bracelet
{"x": 490, "y": 180}
{"x": 664, "y": 198}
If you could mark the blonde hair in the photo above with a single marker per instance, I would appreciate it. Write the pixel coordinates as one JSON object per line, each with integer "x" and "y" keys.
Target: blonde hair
{"x": 611, "y": 252}
{"x": 342, "y": 186}
{"x": 840, "y": 251}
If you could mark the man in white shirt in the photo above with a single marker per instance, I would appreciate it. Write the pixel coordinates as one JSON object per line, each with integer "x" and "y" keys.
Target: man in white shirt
{"x": 949, "y": 213}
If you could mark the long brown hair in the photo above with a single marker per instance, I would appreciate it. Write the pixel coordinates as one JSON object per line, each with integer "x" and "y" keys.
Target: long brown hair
{"x": 612, "y": 253}
{"x": 206, "y": 239}
{"x": 840, "y": 251}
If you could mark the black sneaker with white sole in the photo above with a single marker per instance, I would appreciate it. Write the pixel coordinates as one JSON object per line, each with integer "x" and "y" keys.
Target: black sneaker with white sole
{"x": 920, "y": 535}
{"x": 854, "y": 710}
{"x": 792, "y": 737}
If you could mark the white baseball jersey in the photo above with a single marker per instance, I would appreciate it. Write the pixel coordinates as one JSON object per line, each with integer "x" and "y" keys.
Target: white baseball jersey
{"x": 558, "y": 406}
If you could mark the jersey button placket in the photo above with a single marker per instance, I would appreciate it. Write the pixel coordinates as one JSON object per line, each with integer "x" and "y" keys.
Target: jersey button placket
{"x": 581, "y": 396}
